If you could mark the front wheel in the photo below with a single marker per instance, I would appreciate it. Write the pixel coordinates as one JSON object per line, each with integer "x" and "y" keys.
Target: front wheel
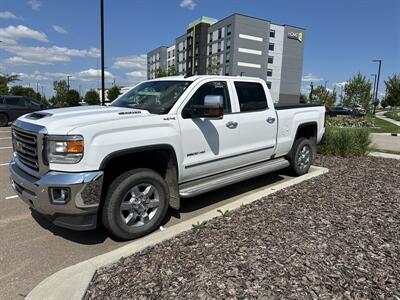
{"x": 136, "y": 204}
{"x": 301, "y": 156}
{"x": 3, "y": 120}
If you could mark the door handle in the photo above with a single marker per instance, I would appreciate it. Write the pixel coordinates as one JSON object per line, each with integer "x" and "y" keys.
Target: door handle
{"x": 231, "y": 125}
{"x": 270, "y": 120}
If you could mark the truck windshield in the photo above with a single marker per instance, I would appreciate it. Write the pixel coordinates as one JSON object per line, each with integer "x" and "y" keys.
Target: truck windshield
{"x": 157, "y": 97}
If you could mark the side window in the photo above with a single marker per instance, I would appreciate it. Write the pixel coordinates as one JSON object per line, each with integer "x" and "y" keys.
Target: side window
{"x": 219, "y": 88}
{"x": 251, "y": 96}
{"x": 15, "y": 101}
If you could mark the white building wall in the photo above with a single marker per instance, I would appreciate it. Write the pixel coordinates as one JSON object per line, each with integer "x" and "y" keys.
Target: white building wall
{"x": 276, "y": 66}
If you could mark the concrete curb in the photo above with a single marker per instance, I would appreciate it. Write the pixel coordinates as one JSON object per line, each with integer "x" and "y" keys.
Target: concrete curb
{"x": 72, "y": 282}
{"x": 384, "y": 155}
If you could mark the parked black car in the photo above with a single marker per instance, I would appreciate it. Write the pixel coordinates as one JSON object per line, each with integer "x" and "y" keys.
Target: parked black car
{"x": 345, "y": 111}
{"x": 12, "y": 107}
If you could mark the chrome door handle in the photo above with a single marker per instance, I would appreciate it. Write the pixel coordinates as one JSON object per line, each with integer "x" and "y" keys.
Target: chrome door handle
{"x": 270, "y": 120}
{"x": 231, "y": 125}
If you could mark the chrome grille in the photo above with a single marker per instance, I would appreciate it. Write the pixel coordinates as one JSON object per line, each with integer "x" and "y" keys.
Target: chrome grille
{"x": 26, "y": 147}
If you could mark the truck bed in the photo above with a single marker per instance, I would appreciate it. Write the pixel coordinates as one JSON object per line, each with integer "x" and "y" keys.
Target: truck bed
{"x": 294, "y": 105}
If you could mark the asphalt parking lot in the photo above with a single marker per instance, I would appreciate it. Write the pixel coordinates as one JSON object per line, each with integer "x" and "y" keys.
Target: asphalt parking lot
{"x": 31, "y": 248}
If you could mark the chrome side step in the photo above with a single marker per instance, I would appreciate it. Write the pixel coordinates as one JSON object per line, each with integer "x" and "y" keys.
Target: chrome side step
{"x": 214, "y": 182}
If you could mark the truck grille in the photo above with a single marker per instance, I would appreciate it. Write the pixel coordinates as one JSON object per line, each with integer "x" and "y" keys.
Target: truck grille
{"x": 26, "y": 148}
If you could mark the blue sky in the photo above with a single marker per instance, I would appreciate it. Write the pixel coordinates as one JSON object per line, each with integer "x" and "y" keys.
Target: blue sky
{"x": 45, "y": 40}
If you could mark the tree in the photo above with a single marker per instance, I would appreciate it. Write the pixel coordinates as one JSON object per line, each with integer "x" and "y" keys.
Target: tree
{"x": 113, "y": 93}
{"x": 92, "y": 98}
{"x": 384, "y": 103}
{"x": 72, "y": 98}
{"x": 160, "y": 73}
{"x": 357, "y": 91}
{"x": 61, "y": 89}
{"x": 18, "y": 90}
{"x": 213, "y": 66}
{"x": 303, "y": 98}
{"x": 392, "y": 84}
{"x": 321, "y": 95}
{"x": 5, "y": 79}
{"x": 172, "y": 71}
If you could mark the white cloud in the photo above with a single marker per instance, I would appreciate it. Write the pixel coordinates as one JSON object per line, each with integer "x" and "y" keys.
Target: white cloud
{"x": 10, "y": 34}
{"x": 24, "y": 55}
{"x": 34, "y": 4}
{"x": 35, "y": 76}
{"x": 340, "y": 84}
{"x": 7, "y": 15}
{"x": 311, "y": 77}
{"x": 91, "y": 74}
{"x": 137, "y": 74}
{"x": 189, "y": 4}
{"x": 59, "y": 29}
{"x": 131, "y": 62}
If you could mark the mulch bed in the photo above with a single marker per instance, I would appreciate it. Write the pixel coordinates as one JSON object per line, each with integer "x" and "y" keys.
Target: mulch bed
{"x": 336, "y": 236}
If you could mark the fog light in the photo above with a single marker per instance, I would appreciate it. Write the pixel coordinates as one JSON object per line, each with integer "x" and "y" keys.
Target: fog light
{"x": 59, "y": 195}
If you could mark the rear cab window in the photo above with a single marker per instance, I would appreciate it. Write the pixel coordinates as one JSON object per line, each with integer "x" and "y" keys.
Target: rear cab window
{"x": 251, "y": 96}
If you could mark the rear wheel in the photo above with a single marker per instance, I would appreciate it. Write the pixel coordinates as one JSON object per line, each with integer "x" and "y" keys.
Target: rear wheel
{"x": 301, "y": 156}
{"x": 3, "y": 120}
{"x": 136, "y": 204}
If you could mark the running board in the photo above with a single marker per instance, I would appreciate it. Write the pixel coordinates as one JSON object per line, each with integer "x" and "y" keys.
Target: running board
{"x": 203, "y": 185}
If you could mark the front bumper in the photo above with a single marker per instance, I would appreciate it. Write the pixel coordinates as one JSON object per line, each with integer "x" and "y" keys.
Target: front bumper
{"x": 78, "y": 213}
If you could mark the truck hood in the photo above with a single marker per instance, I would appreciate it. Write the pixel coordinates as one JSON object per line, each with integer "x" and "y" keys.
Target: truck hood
{"x": 64, "y": 120}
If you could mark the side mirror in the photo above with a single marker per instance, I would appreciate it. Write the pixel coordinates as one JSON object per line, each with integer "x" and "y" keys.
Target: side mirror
{"x": 213, "y": 108}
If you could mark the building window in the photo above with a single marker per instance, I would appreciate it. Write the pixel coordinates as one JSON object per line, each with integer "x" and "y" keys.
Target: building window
{"x": 228, "y": 43}
{"x": 228, "y": 29}
{"x": 251, "y": 96}
{"x": 210, "y": 37}
{"x": 227, "y": 70}
{"x": 269, "y": 84}
{"x": 271, "y": 46}
{"x": 270, "y": 59}
{"x": 269, "y": 72}
{"x": 197, "y": 50}
{"x": 219, "y": 33}
{"x": 272, "y": 33}
{"x": 210, "y": 49}
{"x": 219, "y": 46}
{"x": 228, "y": 56}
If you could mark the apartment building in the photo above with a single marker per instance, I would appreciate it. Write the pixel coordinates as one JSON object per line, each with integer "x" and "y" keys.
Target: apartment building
{"x": 238, "y": 45}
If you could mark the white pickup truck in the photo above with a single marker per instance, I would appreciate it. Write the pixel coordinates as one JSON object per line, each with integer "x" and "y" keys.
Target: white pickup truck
{"x": 166, "y": 139}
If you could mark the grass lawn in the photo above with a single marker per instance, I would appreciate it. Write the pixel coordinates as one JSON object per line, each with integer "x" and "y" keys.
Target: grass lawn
{"x": 384, "y": 126}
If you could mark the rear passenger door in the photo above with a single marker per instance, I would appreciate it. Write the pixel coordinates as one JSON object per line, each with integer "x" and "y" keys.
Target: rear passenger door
{"x": 257, "y": 122}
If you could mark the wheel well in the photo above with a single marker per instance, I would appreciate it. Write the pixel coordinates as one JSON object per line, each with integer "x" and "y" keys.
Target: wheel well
{"x": 161, "y": 160}
{"x": 307, "y": 130}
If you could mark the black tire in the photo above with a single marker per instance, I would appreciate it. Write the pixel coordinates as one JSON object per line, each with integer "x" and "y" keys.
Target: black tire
{"x": 3, "y": 120}
{"x": 112, "y": 216}
{"x": 300, "y": 162}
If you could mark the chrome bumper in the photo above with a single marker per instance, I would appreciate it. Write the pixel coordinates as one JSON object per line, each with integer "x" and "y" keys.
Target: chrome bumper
{"x": 79, "y": 212}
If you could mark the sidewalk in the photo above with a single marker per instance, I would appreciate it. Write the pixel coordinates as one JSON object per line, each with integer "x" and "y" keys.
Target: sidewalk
{"x": 385, "y": 142}
{"x": 381, "y": 116}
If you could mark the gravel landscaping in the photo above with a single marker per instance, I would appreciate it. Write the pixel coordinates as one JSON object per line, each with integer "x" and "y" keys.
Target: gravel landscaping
{"x": 336, "y": 236}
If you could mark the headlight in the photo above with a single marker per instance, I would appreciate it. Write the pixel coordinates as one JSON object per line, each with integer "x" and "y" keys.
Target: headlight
{"x": 66, "y": 149}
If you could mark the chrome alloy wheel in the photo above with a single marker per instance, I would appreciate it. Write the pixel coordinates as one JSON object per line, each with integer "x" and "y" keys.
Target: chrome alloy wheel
{"x": 304, "y": 157}
{"x": 140, "y": 204}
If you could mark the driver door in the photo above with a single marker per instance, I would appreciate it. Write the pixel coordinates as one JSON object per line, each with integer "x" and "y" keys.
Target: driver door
{"x": 209, "y": 145}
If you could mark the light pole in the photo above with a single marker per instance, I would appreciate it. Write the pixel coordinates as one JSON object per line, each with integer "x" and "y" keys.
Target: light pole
{"x": 68, "y": 77}
{"x": 377, "y": 81}
{"x": 373, "y": 91}
{"x": 103, "y": 99}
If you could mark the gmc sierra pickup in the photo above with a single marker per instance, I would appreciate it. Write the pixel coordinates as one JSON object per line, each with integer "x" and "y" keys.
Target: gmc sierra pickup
{"x": 165, "y": 139}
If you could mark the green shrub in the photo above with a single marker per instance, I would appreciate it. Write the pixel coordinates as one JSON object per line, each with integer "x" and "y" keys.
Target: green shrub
{"x": 395, "y": 115}
{"x": 350, "y": 121}
{"x": 345, "y": 142}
